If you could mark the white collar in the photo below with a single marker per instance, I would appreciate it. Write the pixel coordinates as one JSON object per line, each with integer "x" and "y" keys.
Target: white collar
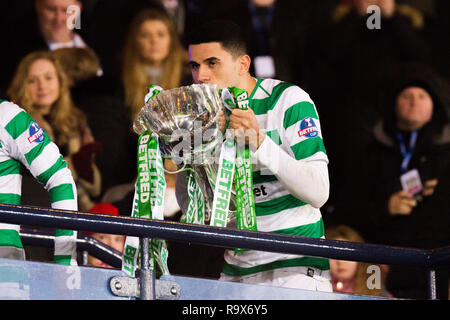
{"x": 77, "y": 42}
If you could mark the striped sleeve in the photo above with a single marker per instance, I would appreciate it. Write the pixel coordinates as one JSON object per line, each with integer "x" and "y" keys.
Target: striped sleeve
{"x": 33, "y": 148}
{"x": 302, "y": 131}
{"x": 293, "y": 150}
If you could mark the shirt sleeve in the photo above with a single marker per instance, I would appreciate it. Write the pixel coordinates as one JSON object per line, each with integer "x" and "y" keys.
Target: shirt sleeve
{"x": 295, "y": 152}
{"x": 33, "y": 148}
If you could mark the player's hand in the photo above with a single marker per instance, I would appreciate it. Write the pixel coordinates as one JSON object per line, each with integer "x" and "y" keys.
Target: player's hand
{"x": 222, "y": 120}
{"x": 245, "y": 127}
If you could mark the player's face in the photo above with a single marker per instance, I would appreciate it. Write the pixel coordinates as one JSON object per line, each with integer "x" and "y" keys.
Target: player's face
{"x": 153, "y": 41}
{"x": 211, "y": 64}
{"x": 43, "y": 85}
{"x": 414, "y": 108}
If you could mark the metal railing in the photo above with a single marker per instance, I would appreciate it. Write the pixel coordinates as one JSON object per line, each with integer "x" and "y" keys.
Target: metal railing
{"x": 230, "y": 238}
{"x": 85, "y": 244}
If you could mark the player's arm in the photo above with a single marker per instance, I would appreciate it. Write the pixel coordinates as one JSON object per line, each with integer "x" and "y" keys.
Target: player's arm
{"x": 303, "y": 169}
{"x": 34, "y": 149}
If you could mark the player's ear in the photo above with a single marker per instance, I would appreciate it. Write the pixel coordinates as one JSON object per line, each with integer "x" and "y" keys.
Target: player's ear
{"x": 244, "y": 62}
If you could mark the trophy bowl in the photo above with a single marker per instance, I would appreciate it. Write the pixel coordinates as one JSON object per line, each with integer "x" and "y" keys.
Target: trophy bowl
{"x": 185, "y": 120}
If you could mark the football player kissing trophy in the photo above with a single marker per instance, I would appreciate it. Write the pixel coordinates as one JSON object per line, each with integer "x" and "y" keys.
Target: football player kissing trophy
{"x": 182, "y": 124}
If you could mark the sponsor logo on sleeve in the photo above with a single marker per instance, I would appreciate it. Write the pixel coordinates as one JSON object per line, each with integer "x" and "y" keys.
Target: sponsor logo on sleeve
{"x": 308, "y": 128}
{"x": 36, "y": 133}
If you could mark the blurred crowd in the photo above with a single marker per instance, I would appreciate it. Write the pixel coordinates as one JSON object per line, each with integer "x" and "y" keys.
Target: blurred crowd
{"x": 379, "y": 80}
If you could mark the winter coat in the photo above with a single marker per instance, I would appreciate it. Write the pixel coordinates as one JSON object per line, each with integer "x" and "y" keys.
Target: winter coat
{"x": 431, "y": 157}
{"x": 428, "y": 225}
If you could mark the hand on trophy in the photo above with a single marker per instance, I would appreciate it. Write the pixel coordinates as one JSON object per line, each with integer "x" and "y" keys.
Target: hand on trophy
{"x": 222, "y": 121}
{"x": 245, "y": 126}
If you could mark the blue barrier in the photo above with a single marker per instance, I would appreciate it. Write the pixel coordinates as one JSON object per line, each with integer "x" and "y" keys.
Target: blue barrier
{"x": 222, "y": 237}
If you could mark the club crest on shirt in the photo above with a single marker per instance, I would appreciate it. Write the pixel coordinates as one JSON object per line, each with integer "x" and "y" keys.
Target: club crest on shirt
{"x": 308, "y": 128}
{"x": 35, "y": 132}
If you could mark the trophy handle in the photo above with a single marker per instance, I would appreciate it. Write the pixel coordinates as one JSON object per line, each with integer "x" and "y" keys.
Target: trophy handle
{"x": 183, "y": 168}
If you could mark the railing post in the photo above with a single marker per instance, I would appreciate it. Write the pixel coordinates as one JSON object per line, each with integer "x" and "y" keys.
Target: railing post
{"x": 85, "y": 257}
{"x": 146, "y": 276}
{"x": 431, "y": 279}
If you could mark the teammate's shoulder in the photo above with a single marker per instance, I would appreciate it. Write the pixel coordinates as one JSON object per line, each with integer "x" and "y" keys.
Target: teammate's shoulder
{"x": 8, "y": 105}
{"x": 8, "y": 110}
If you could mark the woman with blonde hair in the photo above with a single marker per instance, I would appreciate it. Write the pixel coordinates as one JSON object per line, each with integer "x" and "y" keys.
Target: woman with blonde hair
{"x": 41, "y": 87}
{"x": 352, "y": 276}
{"x": 153, "y": 54}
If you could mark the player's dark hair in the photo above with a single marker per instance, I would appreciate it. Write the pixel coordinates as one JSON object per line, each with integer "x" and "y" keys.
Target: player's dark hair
{"x": 226, "y": 32}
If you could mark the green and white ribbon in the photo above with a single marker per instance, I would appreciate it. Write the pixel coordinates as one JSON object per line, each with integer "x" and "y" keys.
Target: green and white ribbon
{"x": 131, "y": 246}
{"x": 245, "y": 202}
{"x": 234, "y": 160}
{"x": 148, "y": 203}
{"x": 224, "y": 182}
{"x": 153, "y": 90}
{"x": 195, "y": 212}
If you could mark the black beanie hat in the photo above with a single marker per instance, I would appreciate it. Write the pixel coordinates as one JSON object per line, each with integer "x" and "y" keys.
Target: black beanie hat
{"x": 417, "y": 83}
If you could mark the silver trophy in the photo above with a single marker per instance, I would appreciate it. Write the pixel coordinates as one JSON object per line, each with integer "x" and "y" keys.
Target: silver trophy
{"x": 186, "y": 122}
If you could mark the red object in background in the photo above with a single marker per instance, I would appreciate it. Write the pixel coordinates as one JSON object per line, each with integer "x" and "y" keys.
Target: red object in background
{"x": 105, "y": 208}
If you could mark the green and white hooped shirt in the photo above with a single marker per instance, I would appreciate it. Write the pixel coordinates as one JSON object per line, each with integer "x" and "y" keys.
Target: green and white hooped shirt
{"x": 23, "y": 143}
{"x": 288, "y": 116}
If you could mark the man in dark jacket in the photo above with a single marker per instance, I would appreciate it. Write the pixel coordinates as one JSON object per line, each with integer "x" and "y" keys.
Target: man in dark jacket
{"x": 413, "y": 136}
{"x": 350, "y": 64}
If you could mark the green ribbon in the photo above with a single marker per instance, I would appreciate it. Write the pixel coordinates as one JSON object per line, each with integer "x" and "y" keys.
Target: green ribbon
{"x": 131, "y": 246}
{"x": 245, "y": 202}
{"x": 153, "y": 90}
{"x": 224, "y": 182}
{"x": 235, "y": 161}
{"x": 148, "y": 203}
{"x": 195, "y": 212}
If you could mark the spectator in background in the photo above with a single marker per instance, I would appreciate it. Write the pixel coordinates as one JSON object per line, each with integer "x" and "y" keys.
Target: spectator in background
{"x": 84, "y": 74}
{"x": 115, "y": 241}
{"x": 104, "y": 110}
{"x": 152, "y": 55}
{"x": 413, "y": 135}
{"x": 106, "y": 32}
{"x": 54, "y": 18}
{"x": 107, "y": 27}
{"x": 40, "y": 85}
{"x": 79, "y": 64}
{"x": 270, "y": 28}
{"x": 355, "y": 62}
{"x": 351, "y": 276}
{"x": 44, "y": 27}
